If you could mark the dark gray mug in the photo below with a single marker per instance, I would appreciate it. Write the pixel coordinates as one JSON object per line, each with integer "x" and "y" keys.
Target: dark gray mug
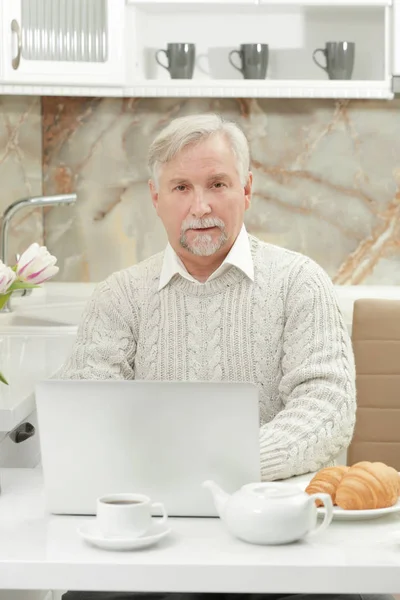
{"x": 339, "y": 57}
{"x": 181, "y": 58}
{"x": 254, "y": 60}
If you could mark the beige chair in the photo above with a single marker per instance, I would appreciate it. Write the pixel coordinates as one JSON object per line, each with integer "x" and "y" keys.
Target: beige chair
{"x": 376, "y": 343}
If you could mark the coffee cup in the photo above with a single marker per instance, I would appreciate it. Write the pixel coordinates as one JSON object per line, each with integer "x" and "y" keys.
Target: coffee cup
{"x": 254, "y": 60}
{"x": 339, "y": 59}
{"x": 127, "y": 515}
{"x": 181, "y": 60}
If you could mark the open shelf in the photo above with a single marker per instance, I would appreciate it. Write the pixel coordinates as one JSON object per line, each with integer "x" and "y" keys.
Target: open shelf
{"x": 262, "y": 89}
{"x": 280, "y": 3}
{"x": 380, "y": 90}
{"x": 359, "y": 3}
{"x": 292, "y": 30}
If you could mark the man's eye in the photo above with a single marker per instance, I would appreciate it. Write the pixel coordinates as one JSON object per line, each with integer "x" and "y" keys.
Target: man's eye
{"x": 181, "y": 188}
{"x": 219, "y": 184}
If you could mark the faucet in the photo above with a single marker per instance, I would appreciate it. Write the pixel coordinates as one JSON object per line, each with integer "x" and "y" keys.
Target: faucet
{"x": 24, "y": 203}
{"x": 32, "y": 202}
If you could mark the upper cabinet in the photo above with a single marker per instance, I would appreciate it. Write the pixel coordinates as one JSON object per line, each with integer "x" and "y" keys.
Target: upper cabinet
{"x": 63, "y": 42}
{"x": 294, "y": 45}
{"x": 396, "y": 38}
{"x": 130, "y": 48}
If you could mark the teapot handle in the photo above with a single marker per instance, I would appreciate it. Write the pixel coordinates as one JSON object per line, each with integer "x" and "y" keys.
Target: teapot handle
{"x": 327, "y": 502}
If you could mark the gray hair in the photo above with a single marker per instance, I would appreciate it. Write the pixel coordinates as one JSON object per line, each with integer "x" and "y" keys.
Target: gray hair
{"x": 193, "y": 129}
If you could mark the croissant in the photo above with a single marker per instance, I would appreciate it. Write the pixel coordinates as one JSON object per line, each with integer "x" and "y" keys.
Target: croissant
{"x": 327, "y": 481}
{"x": 368, "y": 485}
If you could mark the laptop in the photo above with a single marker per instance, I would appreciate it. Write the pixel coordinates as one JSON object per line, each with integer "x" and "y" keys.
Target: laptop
{"x": 162, "y": 439}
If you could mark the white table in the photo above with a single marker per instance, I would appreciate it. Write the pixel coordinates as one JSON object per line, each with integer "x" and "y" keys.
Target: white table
{"x": 38, "y": 551}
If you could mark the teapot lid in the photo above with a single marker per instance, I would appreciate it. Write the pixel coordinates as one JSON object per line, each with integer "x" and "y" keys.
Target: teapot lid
{"x": 274, "y": 490}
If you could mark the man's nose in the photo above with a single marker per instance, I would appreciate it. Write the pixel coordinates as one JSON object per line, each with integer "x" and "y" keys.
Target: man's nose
{"x": 200, "y": 206}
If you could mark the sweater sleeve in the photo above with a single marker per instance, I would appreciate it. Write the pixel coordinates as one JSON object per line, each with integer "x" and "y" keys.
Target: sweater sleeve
{"x": 105, "y": 345}
{"x": 317, "y": 388}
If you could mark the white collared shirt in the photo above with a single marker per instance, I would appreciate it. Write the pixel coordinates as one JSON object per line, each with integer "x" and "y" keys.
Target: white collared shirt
{"x": 238, "y": 256}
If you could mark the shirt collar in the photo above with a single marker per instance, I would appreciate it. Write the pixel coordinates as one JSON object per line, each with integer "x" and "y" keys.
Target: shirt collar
{"x": 239, "y": 256}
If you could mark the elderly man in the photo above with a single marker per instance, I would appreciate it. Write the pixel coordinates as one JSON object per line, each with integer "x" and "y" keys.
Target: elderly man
{"x": 220, "y": 305}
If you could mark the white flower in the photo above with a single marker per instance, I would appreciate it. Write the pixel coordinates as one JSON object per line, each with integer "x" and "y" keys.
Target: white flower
{"x": 7, "y": 277}
{"x": 36, "y": 265}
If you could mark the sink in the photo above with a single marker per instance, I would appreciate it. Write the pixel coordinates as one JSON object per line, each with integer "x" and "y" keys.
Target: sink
{"x": 54, "y": 306}
{"x": 60, "y": 314}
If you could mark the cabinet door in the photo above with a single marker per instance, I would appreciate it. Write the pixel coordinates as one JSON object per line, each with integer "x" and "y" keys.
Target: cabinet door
{"x": 396, "y": 37}
{"x": 63, "y": 42}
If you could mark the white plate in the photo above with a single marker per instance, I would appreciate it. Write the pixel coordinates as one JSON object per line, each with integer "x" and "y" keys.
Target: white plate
{"x": 341, "y": 514}
{"x": 90, "y": 533}
{"x": 361, "y": 515}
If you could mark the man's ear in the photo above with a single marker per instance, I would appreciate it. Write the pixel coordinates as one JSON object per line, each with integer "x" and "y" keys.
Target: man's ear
{"x": 247, "y": 190}
{"x": 154, "y": 194}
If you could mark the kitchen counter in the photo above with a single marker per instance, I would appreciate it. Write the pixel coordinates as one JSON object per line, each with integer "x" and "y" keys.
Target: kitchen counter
{"x": 41, "y": 551}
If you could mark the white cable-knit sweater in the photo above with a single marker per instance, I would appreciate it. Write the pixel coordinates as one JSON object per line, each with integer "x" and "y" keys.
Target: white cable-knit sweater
{"x": 283, "y": 332}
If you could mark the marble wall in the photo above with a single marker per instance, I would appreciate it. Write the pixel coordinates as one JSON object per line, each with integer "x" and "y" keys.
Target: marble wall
{"x": 21, "y": 167}
{"x": 327, "y": 179}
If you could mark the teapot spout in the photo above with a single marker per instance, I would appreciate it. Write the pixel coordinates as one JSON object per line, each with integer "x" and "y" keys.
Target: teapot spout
{"x": 219, "y": 496}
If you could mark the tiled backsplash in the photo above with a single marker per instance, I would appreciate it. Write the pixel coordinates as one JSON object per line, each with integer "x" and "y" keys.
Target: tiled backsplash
{"x": 326, "y": 178}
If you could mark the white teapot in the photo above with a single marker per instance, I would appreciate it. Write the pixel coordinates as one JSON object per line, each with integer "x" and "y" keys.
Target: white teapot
{"x": 270, "y": 513}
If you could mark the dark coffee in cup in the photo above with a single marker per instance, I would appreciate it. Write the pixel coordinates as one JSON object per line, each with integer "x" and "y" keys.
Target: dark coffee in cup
{"x": 119, "y": 502}
{"x": 126, "y": 515}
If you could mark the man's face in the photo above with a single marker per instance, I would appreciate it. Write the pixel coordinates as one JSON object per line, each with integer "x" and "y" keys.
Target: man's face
{"x": 200, "y": 198}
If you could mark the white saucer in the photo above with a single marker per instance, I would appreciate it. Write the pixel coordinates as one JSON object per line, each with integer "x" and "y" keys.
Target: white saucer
{"x": 90, "y": 533}
{"x": 361, "y": 515}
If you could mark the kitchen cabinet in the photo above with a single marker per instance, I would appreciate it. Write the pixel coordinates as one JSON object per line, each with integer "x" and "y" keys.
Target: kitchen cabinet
{"x": 63, "y": 42}
{"x": 108, "y": 47}
{"x": 293, "y": 29}
{"x": 396, "y": 38}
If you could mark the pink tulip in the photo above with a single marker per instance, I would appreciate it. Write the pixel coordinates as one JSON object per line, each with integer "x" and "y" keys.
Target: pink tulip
{"x": 7, "y": 277}
{"x": 36, "y": 265}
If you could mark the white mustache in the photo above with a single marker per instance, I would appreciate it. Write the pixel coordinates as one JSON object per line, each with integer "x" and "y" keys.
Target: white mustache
{"x": 203, "y": 224}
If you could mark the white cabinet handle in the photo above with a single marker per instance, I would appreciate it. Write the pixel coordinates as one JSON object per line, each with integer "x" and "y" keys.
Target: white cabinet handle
{"x": 15, "y": 28}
